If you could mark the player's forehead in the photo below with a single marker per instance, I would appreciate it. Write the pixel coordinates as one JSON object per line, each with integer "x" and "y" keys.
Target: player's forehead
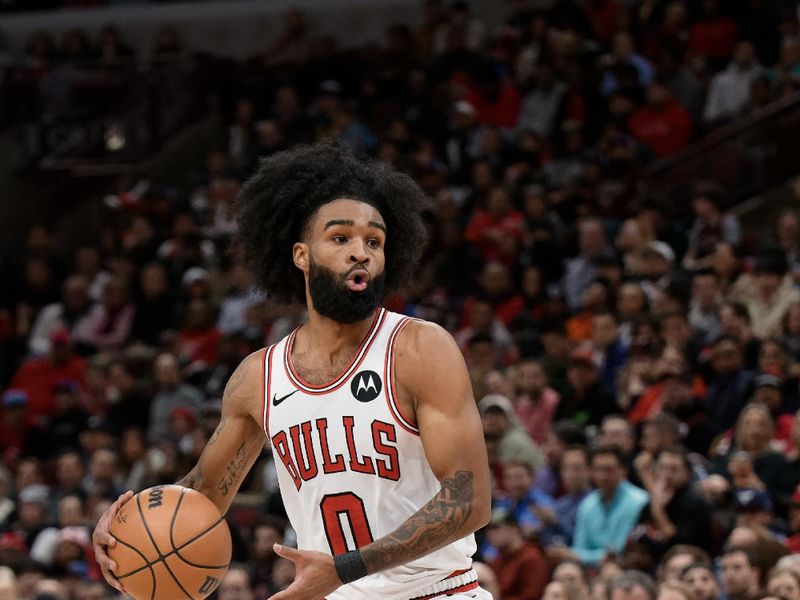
{"x": 346, "y": 211}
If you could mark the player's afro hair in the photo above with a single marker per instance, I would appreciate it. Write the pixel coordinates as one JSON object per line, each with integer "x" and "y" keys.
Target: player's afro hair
{"x": 276, "y": 204}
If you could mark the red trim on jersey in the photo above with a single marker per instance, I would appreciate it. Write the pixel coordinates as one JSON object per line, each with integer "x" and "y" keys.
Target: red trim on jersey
{"x": 388, "y": 377}
{"x": 339, "y": 380}
{"x": 266, "y": 369}
{"x": 462, "y": 588}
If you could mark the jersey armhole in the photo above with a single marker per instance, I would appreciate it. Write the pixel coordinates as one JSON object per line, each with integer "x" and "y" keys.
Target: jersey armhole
{"x": 266, "y": 369}
{"x": 389, "y": 378}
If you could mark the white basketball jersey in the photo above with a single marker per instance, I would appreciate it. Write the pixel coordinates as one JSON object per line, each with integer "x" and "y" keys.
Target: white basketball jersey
{"x": 352, "y": 468}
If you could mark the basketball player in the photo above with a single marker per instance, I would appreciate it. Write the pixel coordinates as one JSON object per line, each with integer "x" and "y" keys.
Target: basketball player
{"x": 381, "y": 460}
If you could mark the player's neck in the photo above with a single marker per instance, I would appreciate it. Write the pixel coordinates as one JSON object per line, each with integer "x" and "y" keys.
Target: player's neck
{"x": 322, "y": 332}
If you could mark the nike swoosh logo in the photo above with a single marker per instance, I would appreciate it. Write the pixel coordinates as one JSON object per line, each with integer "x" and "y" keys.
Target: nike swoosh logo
{"x": 276, "y": 400}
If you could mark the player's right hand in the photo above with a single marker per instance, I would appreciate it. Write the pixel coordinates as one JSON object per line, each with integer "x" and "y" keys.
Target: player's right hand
{"x": 102, "y": 540}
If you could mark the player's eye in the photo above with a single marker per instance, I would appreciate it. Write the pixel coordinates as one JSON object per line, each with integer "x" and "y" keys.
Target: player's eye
{"x": 374, "y": 243}
{"x": 339, "y": 239}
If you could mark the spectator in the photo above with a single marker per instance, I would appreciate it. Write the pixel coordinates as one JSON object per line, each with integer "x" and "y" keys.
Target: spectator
{"x": 522, "y": 571}
{"x": 38, "y": 376}
{"x": 68, "y": 315}
{"x": 580, "y": 271}
{"x": 155, "y": 306}
{"x": 662, "y": 124}
{"x": 524, "y": 501}
{"x": 704, "y": 306}
{"x": 607, "y": 515}
{"x": 678, "y": 558}
{"x": 109, "y": 323}
{"x": 671, "y": 497}
{"x": 632, "y": 585}
{"x": 729, "y": 90}
{"x": 537, "y": 403}
{"x": 731, "y": 386}
{"x": 702, "y": 581}
{"x": 171, "y": 394}
{"x": 784, "y": 583}
{"x": 586, "y": 399}
{"x": 739, "y": 575}
{"x": 710, "y": 227}
{"x": 236, "y": 585}
{"x": 773, "y": 295}
{"x": 576, "y": 485}
{"x": 611, "y": 353}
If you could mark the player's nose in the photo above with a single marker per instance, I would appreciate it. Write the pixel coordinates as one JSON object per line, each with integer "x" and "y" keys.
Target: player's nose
{"x": 358, "y": 252}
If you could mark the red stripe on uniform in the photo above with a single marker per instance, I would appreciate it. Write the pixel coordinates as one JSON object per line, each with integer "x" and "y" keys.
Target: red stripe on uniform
{"x": 463, "y": 588}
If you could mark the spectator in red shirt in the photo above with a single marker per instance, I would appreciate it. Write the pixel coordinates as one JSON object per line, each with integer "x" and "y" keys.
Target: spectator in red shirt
{"x": 498, "y": 229}
{"x": 199, "y": 337}
{"x": 521, "y": 569}
{"x": 662, "y": 123}
{"x": 713, "y": 36}
{"x": 38, "y": 376}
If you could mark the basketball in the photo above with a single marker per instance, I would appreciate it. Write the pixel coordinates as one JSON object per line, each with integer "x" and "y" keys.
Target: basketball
{"x": 172, "y": 542}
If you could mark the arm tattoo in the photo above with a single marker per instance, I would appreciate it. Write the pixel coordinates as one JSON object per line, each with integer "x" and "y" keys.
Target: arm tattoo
{"x": 234, "y": 469}
{"x": 193, "y": 478}
{"x": 435, "y": 525}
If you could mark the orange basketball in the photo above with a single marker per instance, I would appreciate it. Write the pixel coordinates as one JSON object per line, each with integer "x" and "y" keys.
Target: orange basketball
{"x": 172, "y": 543}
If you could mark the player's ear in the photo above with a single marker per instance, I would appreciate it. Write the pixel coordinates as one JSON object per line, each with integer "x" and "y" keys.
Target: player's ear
{"x": 300, "y": 256}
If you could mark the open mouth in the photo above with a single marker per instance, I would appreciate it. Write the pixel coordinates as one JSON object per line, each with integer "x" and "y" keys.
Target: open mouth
{"x": 357, "y": 280}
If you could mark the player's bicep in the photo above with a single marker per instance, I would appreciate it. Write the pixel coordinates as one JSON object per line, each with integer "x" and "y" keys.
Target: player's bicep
{"x": 434, "y": 372}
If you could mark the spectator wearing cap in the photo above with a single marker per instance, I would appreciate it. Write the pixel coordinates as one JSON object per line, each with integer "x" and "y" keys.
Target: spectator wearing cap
{"x": 754, "y": 508}
{"x": 658, "y": 262}
{"x": 774, "y": 293}
{"x": 198, "y": 338}
{"x": 769, "y": 388}
{"x": 18, "y": 435}
{"x": 521, "y": 569}
{"x": 607, "y": 515}
{"x": 501, "y": 423}
{"x": 39, "y": 376}
{"x": 68, "y": 314}
{"x": 171, "y": 394}
{"x": 585, "y": 400}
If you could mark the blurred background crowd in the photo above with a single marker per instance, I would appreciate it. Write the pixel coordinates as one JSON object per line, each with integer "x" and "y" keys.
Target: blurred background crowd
{"x": 616, "y": 256}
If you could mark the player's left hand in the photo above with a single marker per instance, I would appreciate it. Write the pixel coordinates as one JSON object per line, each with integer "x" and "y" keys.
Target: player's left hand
{"x": 316, "y": 576}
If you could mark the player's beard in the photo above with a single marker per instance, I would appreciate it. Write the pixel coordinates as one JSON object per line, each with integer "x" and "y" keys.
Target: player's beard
{"x": 332, "y": 298}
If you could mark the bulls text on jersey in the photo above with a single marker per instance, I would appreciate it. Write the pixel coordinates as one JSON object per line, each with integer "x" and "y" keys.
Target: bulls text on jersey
{"x": 305, "y": 445}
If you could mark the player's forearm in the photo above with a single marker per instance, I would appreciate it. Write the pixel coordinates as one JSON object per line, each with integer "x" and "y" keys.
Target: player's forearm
{"x": 218, "y": 475}
{"x": 457, "y": 510}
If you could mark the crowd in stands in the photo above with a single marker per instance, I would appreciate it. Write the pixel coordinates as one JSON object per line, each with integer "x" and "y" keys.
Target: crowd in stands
{"x": 636, "y": 363}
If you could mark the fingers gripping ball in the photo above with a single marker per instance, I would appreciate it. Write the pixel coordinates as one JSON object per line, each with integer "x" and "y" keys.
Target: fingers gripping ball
{"x": 172, "y": 543}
